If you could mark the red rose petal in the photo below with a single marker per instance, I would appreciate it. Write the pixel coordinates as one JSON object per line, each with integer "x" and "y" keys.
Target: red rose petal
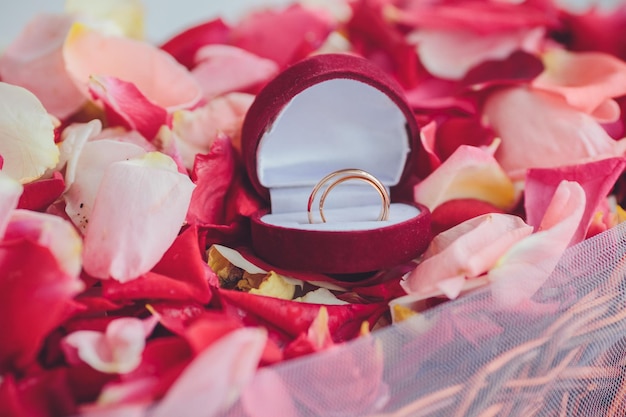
{"x": 212, "y": 174}
{"x": 285, "y": 36}
{"x": 181, "y": 275}
{"x": 33, "y": 288}
{"x": 453, "y": 212}
{"x": 38, "y": 195}
{"x": 126, "y": 106}
{"x": 597, "y": 179}
{"x": 295, "y": 318}
{"x": 184, "y": 46}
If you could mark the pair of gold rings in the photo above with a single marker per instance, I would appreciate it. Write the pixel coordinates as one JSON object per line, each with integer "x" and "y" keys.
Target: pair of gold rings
{"x": 341, "y": 176}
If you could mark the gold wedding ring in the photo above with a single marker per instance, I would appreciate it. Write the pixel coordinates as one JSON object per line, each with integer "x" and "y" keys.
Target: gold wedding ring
{"x": 342, "y": 176}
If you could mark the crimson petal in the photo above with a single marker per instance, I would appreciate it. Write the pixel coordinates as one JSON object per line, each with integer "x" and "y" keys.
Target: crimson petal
{"x": 184, "y": 46}
{"x": 181, "y": 274}
{"x": 33, "y": 288}
{"x": 38, "y": 195}
{"x": 126, "y": 106}
{"x": 597, "y": 179}
{"x": 285, "y": 36}
{"x": 344, "y": 321}
{"x": 212, "y": 174}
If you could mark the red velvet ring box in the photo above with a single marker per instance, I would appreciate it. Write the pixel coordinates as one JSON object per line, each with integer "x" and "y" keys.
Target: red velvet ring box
{"x": 323, "y": 114}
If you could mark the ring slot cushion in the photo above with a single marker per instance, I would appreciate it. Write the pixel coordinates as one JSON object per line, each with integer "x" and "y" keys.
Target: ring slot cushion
{"x": 323, "y": 114}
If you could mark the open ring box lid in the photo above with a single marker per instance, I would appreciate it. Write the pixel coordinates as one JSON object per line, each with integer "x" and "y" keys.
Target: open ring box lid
{"x": 323, "y": 114}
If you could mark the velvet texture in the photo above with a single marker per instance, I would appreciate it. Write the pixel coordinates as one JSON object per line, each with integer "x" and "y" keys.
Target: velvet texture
{"x": 331, "y": 252}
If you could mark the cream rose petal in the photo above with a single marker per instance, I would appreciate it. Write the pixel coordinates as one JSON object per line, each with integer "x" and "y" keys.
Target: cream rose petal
{"x": 139, "y": 209}
{"x": 26, "y": 134}
{"x": 126, "y": 15}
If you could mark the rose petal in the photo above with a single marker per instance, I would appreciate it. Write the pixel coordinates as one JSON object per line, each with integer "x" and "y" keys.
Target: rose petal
{"x": 181, "y": 274}
{"x": 26, "y": 134}
{"x": 73, "y": 138}
{"x": 212, "y": 174}
{"x": 284, "y": 36}
{"x": 316, "y": 339}
{"x": 155, "y": 73}
{"x": 127, "y": 15}
{"x": 454, "y": 212}
{"x": 596, "y": 30}
{"x": 295, "y": 318}
{"x": 35, "y": 61}
{"x": 267, "y": 384}
{"x": 215, "y": 378}
{"x": 540, "y": 130}
{"x": 450, "y": 54}
{"x": 38, "y": 195}
{"x": 464, "y": 252}
{"x": 519, "y": 67}
{"x": 587, "y": 80}
{"x": 88, "y": 166}
{"x": 196, "y": 130}
{"x": 124, "y": 240}
{"x": 223, "y": 69}
{"x": 184, "y": 46}
{"x": 126, "y": 106}
{"x": 470, "y": 172}
{"x": 373, "y": 37}
{"x": 10, "y": 192}
{"x": 596, "y": 178}
{"x": 454, "y": 132}
{"x": 528, "y": 264}
{"x": 117, "y": 350}
{"x": 40, "y": 262}
{"x": 51, "y": 232}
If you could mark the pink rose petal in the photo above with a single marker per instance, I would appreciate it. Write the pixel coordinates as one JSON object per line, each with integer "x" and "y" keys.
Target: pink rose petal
{"x": 464, "y": 252}
{"x": 223, "y": 69}
{"x": 84, "y": 174}
{"x": 10, "y": 191}
{"x": 155, "y": 73}
{"x": 587, "y": 80}
{"x": 35, "y": 61}
{"x": 540, "y": 130}
{"x": 117, "y": 350}
{"x": 528, "y": 264}
{"x": 138, "y": 211}
{"x": 450, "y": 54}
{"x": 216, "y": 377}
{"x": 195, "y": 130}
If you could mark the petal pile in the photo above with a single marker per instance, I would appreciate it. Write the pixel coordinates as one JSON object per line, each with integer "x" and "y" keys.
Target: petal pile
{"x": 128, "y": 280}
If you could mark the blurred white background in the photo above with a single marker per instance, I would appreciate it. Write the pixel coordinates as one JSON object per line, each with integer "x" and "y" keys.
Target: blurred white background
{"x": 163, "y": 17}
